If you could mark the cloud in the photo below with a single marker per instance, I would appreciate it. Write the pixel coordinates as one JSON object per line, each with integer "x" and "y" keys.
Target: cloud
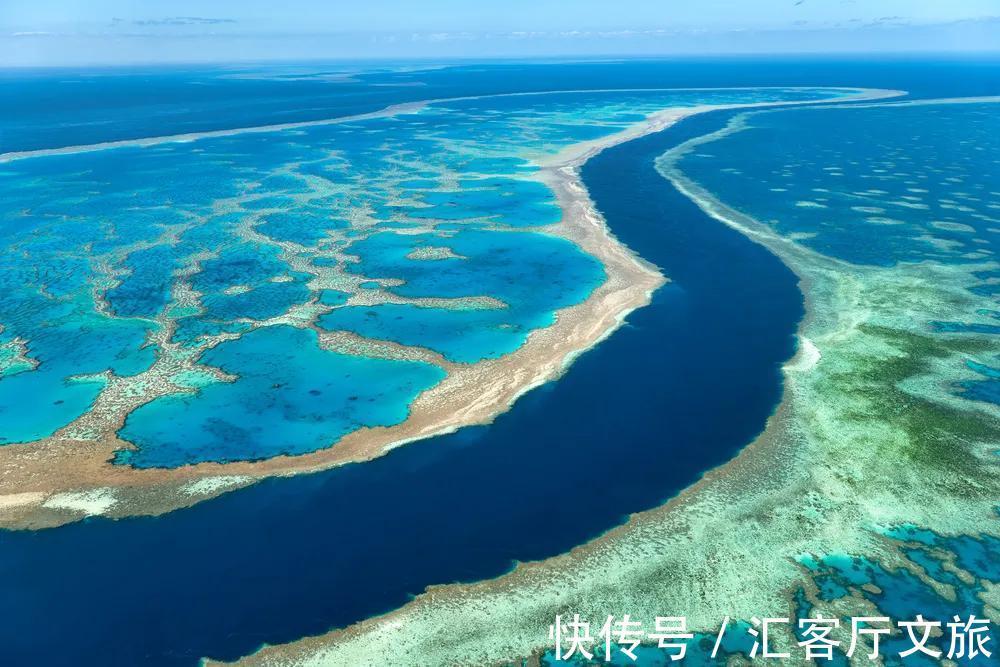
{"x": 904, "y": 22}
{"x": 179, "y": 21}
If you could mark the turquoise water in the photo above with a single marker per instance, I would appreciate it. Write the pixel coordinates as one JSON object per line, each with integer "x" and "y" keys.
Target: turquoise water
{"x": 290, "y": 395}
{"x": 176, "y": 257}
{"x": 531, "y": 275}
{"x": 459, "y": 335}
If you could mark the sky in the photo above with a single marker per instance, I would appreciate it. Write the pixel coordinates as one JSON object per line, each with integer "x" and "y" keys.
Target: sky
{"x": 74, "y": 32}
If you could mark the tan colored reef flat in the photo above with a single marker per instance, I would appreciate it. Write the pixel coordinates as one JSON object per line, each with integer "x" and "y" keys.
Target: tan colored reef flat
{"x": 64, "y": 478}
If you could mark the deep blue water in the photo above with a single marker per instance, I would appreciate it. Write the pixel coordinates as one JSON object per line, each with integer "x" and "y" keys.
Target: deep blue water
{"x": 291, "y": 557}
{"x": 297, "y": 556}
{"x": 45, "y": 108}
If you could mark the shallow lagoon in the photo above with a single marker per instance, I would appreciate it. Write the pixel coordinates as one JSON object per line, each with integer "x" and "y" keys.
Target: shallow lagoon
{"x": 289, "y": 394}
{"x": 427, "y": 229}
{"x": 530, "y": 275}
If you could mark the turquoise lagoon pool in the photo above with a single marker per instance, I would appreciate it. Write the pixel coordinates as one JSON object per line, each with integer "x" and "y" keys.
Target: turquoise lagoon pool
{"x": 223, "y": 259}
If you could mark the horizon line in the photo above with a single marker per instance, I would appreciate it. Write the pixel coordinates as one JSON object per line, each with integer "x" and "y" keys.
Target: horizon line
{"x": 526, "y": 58}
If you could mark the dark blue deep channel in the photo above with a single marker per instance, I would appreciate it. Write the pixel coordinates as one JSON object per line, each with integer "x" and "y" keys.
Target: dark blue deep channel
{"x": 688, "y": 382}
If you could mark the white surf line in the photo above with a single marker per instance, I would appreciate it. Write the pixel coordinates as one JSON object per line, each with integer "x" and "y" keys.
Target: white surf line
{"x": 933, "y": 101}
{"x": 393, "y": 110}
{"x": 407, "y": 107}
{"x": 930, "y": 101}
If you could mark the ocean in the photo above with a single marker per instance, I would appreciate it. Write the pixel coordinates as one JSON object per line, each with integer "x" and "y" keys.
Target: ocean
{"x": 679, "y": 390}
